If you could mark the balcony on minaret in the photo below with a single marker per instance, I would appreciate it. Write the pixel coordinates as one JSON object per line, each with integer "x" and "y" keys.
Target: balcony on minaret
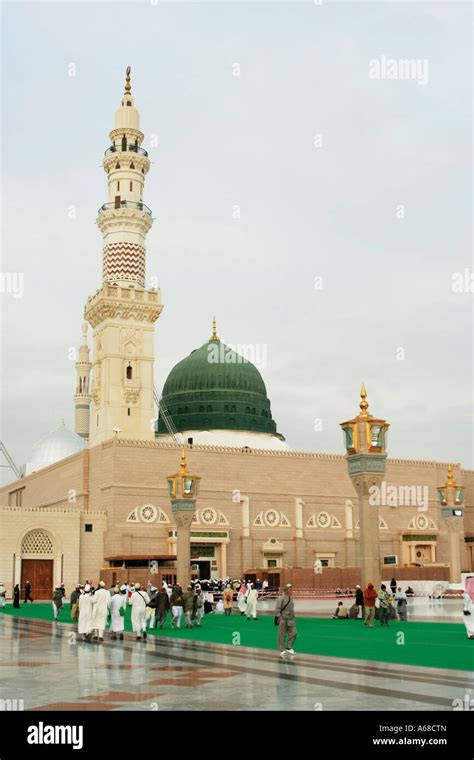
{"x": 133, "y": 148}
{"x": 122, "y": 203}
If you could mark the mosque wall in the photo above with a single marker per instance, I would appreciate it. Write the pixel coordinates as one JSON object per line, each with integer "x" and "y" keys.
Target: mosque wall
{"x": 302, "y": 508}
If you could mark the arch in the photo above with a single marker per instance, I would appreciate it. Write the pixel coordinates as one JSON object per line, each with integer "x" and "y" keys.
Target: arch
{"x": 129, "y": 372}
{"x": 124, "y": 142}
{"x": 232, "y": 409}
{"x": 226, "y": 408}
{"x": 32, "y": 529}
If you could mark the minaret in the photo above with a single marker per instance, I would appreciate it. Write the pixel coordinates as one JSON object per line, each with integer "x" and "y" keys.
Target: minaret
{"x": 123, "y": 312}
{"x": 82, "y": 397}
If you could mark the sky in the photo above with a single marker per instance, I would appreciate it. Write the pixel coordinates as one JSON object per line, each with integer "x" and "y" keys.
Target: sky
{"x": 314, "y": 198}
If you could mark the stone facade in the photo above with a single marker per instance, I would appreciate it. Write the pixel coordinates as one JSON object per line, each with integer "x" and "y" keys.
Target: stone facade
{"x": 255, "y": 510}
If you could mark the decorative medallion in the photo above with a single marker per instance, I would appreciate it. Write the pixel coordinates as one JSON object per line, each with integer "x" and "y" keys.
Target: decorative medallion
{"x": 323, "y": 519}
{"x": 208, "y": 515}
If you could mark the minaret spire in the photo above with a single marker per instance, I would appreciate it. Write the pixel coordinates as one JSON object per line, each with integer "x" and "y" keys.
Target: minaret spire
{"x": 128, "y": 87}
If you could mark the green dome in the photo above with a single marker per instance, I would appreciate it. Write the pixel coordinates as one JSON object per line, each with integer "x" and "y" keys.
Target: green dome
{"x": 215, "y": 388}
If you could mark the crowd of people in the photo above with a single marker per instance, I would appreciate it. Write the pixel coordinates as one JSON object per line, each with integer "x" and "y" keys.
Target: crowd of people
{"x": 371, "y": 604}
{"x": 94, "y": 608}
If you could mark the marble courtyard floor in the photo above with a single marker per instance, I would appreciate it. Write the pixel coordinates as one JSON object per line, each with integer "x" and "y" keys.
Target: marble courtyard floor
{"x": 49, "y": 668}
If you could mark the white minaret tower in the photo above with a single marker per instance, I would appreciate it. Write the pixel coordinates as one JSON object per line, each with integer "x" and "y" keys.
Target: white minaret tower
{"x": 123, "y": 312}
{"x": 82, "y": 397}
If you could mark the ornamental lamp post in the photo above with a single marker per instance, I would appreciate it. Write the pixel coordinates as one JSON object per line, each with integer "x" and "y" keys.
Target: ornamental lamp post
{"x": 451, "y": 497}
{"x": 183, "y": 489}
{"x": 365, "y": 439}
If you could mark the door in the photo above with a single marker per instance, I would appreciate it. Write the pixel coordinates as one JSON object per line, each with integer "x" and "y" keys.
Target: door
{"x": 117, "y": 201}
{"x": 39, "y": 572}
{"x": 204, "y": 568}
{"x": 274, "y": 580}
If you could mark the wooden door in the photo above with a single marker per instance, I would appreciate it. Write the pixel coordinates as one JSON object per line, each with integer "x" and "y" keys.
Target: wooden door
{"x": 39, "y": 572}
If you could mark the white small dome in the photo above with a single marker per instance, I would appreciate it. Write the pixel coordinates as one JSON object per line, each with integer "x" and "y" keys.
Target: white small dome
{"x": 53, "y": 447}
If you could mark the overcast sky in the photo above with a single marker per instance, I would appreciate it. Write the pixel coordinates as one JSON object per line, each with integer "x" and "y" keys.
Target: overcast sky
{"x": 363, "y": 182}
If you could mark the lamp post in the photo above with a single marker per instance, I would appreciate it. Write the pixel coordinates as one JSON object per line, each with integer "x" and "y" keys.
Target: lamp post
{"x": 183, "y": 488}
{"x": 365, "y": 441}
{"x": 451, "y": 497}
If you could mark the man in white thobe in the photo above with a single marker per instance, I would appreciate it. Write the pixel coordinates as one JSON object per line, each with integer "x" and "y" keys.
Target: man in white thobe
{"x": 117, "y": 603}
{"x": 85, "y": 613}
{"x": 469, "y": 606}
{"x": 138, "y": 602}
{"x": 251, "y": 597}
{"x": 101, "y": 604}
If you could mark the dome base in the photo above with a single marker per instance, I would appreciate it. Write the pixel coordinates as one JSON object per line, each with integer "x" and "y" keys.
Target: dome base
{"x": 233, "y": 438}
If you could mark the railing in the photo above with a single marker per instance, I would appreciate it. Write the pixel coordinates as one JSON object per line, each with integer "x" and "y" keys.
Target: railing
{"x": 133, "y": 148}
{"x": 126, "y": 204}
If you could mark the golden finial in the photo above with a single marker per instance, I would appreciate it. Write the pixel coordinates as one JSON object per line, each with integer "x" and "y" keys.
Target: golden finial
{"x": 363, "y": 404}
{"x": 214, "y": 335}
{"x": 128, "y": 87}
{"x": 182, "y": 469}
{"x": 450, "y": 481}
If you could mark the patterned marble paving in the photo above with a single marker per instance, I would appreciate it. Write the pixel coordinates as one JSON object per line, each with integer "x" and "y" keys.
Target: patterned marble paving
{"x": 41, "y": 666}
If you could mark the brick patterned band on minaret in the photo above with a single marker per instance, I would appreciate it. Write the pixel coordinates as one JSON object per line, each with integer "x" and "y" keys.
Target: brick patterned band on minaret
{"x": 124, "y": 261}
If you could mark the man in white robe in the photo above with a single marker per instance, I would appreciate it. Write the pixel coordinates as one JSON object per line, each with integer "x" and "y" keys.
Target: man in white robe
{"x": 101, "y": 604}
{"x": 251, "y": 597}
{"x": 138, "y": 602}
{"x": 469, "y": 606}
{"x": 85, "y": 613}
{"x": 117, "y": 603}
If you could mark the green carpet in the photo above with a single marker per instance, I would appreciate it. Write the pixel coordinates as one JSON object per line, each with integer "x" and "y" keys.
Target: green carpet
{"x": 438, "y": 645}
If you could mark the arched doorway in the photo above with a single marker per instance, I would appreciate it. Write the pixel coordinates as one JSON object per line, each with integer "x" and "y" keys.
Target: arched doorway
{"x": 37, "y": 563}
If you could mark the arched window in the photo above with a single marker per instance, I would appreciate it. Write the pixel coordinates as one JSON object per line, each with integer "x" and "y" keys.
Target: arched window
{"x": 180, "y": 410}
{"x": 131, "y": 186}
{"x": 124, "y": 143}
{"x": 226, "y": 408}
{"x": 117, "y": 165}
{"x": 129, "y": 371}
{"x": 201, "y": 408}
{"x": 118, "y": 185}
{"x": 264, "y": 413}
{"x": 80, "y": 385}
{"x": 233, "y": 409}
{"x": 247, "y": 410}
{"x": 253, "y": 410}
{"x": 132, "y": 165}
{"x": 186, "y": 410}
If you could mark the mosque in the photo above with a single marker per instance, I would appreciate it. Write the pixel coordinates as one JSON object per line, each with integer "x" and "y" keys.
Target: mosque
{"x": 93, "y": 503}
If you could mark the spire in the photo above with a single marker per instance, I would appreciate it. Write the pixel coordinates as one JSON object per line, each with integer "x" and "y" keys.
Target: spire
{"x": 182, "y": 469}
{"x": 363, "y": 404}
{"x": 128, "y": 87}
{"x": 214, "y": 335}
